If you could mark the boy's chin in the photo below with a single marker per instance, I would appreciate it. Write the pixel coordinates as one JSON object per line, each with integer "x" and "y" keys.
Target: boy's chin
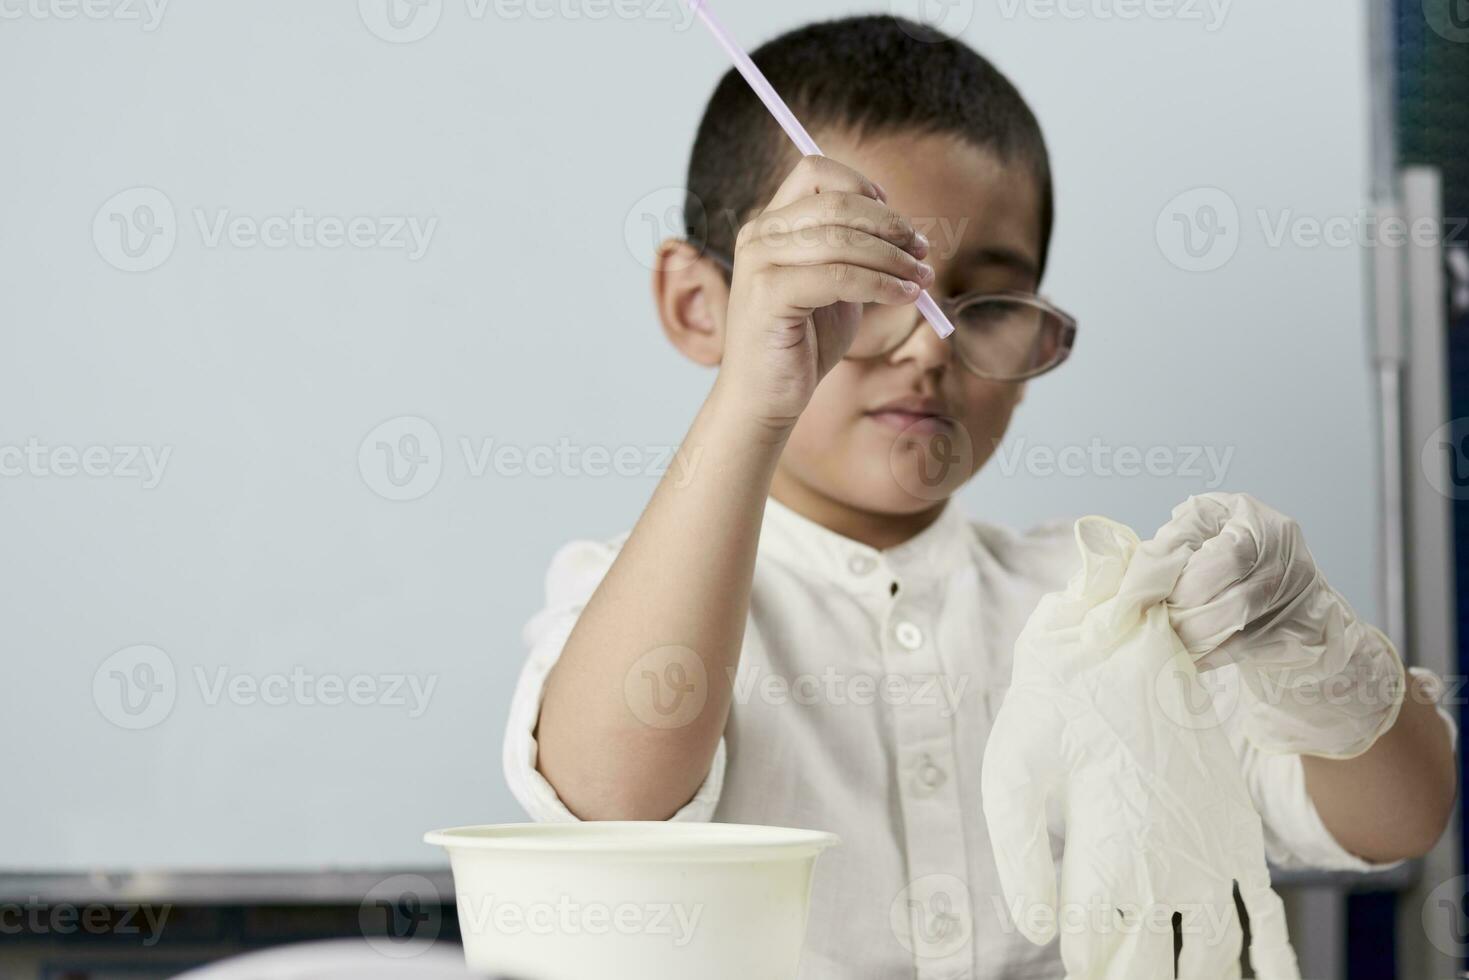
{"x": 914, "y": 470}
{"x": 901, "y": 486}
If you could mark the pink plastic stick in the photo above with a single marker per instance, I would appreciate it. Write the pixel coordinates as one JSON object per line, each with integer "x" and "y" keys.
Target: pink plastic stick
{"x": 795, "y": 131}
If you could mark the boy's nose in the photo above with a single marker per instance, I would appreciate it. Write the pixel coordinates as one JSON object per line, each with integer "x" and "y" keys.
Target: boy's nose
{"x": 924, "y": 347}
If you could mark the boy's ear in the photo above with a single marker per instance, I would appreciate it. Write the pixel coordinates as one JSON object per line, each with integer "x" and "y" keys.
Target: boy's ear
{"x": 692, "y": 298}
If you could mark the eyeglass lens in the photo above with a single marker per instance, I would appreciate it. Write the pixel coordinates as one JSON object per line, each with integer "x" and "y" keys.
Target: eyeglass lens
{"x": 1003, "y": 339}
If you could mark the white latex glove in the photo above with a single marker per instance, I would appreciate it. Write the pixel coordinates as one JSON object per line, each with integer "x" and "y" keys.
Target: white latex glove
{"x": 1158, "y": 818}
{"x": 1317, "y": 680}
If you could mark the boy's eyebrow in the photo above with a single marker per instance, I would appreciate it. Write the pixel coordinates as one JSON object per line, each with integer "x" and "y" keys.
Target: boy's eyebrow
{"x": 998, "y": 255}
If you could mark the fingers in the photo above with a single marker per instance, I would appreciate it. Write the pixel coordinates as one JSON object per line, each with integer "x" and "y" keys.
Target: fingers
{"x": 1124, "y": 950}
{"x": 1231, "y": 535}
{"x": 1215, "y": 595}
{"x": 1113, "y": 925}
{"x": 828, "y": 237}
{"x": 1215, "y": 599}
{"x": 1237, "y": 617}
{"x": 1271, "y": 955}
{"x": 1213, "y": 941}
{"x": 1207, "y": 634}
{"x": 814, "y": 220}
{"x": 1014, "y": 786}
{"x": 1218, "y": 564}
{"x": 796, "y": 290}
{"x": 836, "y": 228}
{"x": 1196, "y": 520}
{"x": 820, "y": 193}
{"x": 820, "y": 175}
{"x": 1175, "y": 551}
{"x": 1239, "y": 580}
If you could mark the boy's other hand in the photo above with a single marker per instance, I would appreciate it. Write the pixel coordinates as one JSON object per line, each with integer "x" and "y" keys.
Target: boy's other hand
{"x": 803, "y": 269}
{"x": 1320, "y": 680}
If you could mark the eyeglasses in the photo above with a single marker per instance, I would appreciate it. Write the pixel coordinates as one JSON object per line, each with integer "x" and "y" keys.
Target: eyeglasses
{"x": 1006, "y": 336}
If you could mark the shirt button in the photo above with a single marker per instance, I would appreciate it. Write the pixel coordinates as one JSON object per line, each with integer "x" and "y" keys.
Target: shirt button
{"x": 928, "y": 776}
{"x": 861, "y": 564}
{"x": 909, "y": 636}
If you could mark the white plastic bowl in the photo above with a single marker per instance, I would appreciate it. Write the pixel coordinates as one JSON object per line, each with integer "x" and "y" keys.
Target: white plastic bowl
{"x": 636, "y": 900}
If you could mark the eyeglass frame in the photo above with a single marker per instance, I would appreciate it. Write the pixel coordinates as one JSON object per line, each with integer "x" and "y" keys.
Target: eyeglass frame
{"x": 951, "y": 308}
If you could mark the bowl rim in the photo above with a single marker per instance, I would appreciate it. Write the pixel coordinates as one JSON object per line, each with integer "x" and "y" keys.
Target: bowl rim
{"x": 616, "y": 837}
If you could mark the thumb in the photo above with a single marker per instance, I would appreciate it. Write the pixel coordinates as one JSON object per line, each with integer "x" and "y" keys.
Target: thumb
{"x": 1019, "y": 771}
{"x": 835, "y": 327}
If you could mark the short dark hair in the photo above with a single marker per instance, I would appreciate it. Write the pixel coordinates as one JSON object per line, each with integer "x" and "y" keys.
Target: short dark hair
{"x": 868, "y": 74}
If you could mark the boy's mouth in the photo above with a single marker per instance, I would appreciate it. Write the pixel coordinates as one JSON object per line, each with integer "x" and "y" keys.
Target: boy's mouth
{"x": 920, "y": 415}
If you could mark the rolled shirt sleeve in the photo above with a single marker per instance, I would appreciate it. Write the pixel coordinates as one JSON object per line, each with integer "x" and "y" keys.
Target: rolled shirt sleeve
{"x": 1295, "y": 835}
{"x": 574, "y": 574}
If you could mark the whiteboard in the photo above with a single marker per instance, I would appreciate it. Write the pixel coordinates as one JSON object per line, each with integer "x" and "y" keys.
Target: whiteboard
{"x": 273, "y": 335}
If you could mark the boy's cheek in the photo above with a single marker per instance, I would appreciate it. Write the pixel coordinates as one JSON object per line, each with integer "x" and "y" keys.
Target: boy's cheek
{"x": 989, "y": 407}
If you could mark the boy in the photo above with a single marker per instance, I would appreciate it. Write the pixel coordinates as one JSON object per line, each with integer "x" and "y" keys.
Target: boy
{"x": 803, "y": 632}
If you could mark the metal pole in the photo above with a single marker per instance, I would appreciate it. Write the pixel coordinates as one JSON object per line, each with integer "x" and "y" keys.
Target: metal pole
{"x": 1427, "y": 944}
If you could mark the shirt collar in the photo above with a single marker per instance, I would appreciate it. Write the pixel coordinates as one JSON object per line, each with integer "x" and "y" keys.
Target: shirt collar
{"x": 935, "y": 552}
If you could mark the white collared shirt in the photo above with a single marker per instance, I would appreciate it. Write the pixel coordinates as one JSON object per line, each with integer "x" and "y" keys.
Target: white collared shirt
{"x": 866, "y": 689}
